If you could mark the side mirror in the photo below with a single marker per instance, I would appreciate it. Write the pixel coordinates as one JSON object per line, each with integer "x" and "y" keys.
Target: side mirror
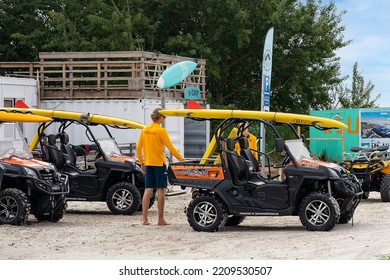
{"x": 279, "y": 145}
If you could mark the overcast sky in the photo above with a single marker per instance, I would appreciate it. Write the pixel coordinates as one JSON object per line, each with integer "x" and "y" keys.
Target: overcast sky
{"x": 366, "y": 23}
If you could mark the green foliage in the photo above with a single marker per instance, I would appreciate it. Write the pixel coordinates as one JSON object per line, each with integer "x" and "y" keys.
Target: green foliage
{"x": 24, "y": 28}
{"x": 229, "y": 34}
{"x": 383, "y": 257}
{"x": 360, "y": 94}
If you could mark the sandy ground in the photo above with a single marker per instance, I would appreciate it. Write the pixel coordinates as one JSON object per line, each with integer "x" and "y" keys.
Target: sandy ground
{"x": 89, "y": 231}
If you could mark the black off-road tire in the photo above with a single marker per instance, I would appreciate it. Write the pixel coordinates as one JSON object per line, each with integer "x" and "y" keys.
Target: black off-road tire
{"x": 152, "y": 199}
{"x": 385, "y": 188}
{"x": 319, "y": 212}
{"x": 206, "y": 213}
{"x": 140, "y": 179}
{"x": 366, "y": 195}
{"x": 123, "y": 198}
{"x": 346, "y": 217}
{"x": 55, "y": 214}
{"x": 233, "y": 221}
{"x": 14, "y": 207}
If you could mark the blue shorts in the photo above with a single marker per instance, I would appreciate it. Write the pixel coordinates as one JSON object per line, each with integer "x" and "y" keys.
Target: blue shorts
{"x": 155, "y": 177}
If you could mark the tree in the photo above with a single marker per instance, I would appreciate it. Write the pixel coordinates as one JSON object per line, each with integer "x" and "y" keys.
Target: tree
{"x": 337, "y": 93}
{"x": 229, "y": 34}
{"x": 24, "y": 28}
{"x": 100, "y": 25}
{"x": 360, "y": 94}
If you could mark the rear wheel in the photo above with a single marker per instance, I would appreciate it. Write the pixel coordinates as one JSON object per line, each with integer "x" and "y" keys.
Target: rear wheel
{"x": 123, "y": 198}
{"x": 14, "y": 207}
{"x": 233, "y": 221}
{"x": 141, "y": 187}
{"x": 385, "y": 188}
{"x": 366, "y": 195}
{"x": 319, "y": 212}
{"x": 206, "y": 213}
{"x": 152, "y": 199}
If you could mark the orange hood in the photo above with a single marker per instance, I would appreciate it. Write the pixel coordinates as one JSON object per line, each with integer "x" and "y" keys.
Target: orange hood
{"x": 26, "y": 162}
{"x": 122, "y": 158}
{"x": 315, "y": 164}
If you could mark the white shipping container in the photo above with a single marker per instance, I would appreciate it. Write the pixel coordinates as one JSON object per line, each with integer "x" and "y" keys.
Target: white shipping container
{"x": 139, "y": 110}
{"x": 25, "y": 89}
{"x": 135, "y": 110}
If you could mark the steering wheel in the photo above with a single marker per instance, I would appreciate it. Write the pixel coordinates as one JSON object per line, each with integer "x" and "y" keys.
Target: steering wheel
{"x": 9, "y": 151}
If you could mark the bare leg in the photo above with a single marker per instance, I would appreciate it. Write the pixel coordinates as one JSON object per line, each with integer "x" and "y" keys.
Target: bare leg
{"x": 145, "y": 206}
{"x": 161, "y": 205}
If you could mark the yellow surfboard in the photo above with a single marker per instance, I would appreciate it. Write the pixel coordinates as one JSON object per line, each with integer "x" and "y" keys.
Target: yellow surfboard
{"x": 86, "y": 117}
{"x": 297, "y": 119}
{"x": 90, "y": 118}
{"x": 18, "y": 117}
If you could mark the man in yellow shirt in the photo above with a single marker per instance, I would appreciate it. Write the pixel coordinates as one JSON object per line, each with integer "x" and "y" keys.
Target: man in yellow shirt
{"x": 150, "y": 151}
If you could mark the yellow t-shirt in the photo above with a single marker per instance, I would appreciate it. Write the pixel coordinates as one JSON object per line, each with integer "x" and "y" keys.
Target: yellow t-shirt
{"x": 151, "y": 143}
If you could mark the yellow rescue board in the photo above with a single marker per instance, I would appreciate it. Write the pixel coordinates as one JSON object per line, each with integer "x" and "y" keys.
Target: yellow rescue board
{"x": 17, "y": 117}
{"x": 297, "y": 119}
{"x": 90, "y": 118}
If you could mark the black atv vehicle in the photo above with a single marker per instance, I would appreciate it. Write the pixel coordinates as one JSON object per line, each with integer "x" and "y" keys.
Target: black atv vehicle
{"x": 322, "y": 194}
{"x": 28, "y": 185}
{"x": 108, "y": 176}
{"x": 372, "y": 167}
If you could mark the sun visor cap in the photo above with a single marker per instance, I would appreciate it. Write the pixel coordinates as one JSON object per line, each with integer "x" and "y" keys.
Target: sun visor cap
{"x": 156, "y": 114}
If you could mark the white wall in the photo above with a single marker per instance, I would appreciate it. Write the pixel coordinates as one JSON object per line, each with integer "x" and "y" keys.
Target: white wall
{"x": 135, "y": 110}
{"x": 20, "y": 89}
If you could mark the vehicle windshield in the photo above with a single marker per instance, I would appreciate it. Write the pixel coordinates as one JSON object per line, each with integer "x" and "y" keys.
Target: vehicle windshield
{"x": 109, "y": 146}
{"x": 12, "y": 142}
{"x": 298, "y": 149}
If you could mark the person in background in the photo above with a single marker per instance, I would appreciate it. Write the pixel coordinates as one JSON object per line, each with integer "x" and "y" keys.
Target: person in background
{"x": 252, "y": 141}
{"x": 150, "y": 151}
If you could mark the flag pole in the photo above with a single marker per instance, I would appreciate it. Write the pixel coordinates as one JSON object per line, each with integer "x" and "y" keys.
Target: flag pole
{"x": 266, "y": 88}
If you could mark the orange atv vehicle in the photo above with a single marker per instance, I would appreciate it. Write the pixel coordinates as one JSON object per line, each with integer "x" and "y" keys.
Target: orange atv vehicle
{"x": 372, "y": 168}
{"x": 232, "y": 187}
{"x": 106, "y": 175}
{"x": 28, "y": 185}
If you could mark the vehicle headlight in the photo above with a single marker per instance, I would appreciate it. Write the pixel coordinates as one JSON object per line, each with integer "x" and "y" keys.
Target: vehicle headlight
{"x": 30, "y": 172}
{"x": 333, "y": 173}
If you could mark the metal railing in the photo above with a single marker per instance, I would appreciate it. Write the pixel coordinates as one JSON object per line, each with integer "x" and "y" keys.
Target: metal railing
{"x": 104, "y": 75}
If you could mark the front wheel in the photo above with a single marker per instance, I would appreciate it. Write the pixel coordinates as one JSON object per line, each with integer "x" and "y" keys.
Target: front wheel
{"x": 55, "y": 214}
{"x": 14, "y": 207}
{"x": 385, "y": 188}
{"x": 319, "y": 212}
{"x": 123, "y": 198}
{"x": 206, "y": 213}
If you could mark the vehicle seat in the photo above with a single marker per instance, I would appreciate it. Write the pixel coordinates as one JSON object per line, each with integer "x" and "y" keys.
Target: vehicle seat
{"x": 67, "y": 148}
{"x": 55, "y": 155}
{"x": 238, "y": 168}
{"x": 247, "y": 153}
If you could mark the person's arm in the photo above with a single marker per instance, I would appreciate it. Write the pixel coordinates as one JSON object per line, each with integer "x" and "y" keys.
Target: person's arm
{"x": 139, "y": 149}
{"x": 167, "y": 142}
